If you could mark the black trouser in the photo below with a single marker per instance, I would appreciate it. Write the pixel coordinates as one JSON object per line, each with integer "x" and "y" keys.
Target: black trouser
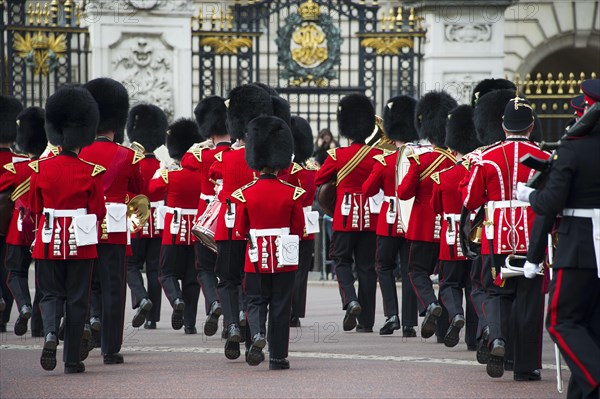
{"x": 205, "y": 267}
{"x": 455, "y": 279}
{"x": 230, "y": 269}
{"x": 515, "y": 313}
{"x": 66, "y": 283}
{"x": 18, "y": 260}
{"x": 301, "y": 282}
{"x": 356, "y": 247}
{"x": 388, "y": 249}
{"x": 177, "y": 262}
{"x": 478, "y": 294}
{"x": 573, "y": 322}
{"x": 145, "y": 250}
{"x": 421, "y": 264}
{"x": 110, "y": 270}
{"x": 271, "y": 294}
{"x": 4, "y": 291}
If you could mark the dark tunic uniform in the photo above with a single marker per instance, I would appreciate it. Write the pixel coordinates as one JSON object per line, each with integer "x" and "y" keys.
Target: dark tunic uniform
{"x": 6, "y": 156}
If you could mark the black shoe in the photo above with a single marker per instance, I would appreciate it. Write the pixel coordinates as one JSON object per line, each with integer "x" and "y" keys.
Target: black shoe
{"x": 428, "y": 327}
{"x": 37, "y": 333}
{"x": 150, "y": 325}
{"x": 534, "y": 375}
{"x": 96, "y": 341}
{"x": 279, "y": 364}
{"x": 352, "y": 311}
{"x": 21, "y": 323}
{"x": 142, "y": 311}
{"x": 48, "y": 358}
{"x": 232, "y": 350}
{"x": 483, "y": 352}
{"x": 177, "y": 316}
{"x": 72, "y": 368}
{"x": 363, "y": 329}
{"x": 95, "y": 323}
{"x": 114, "y": 358}
{"x": 495, "y": 365}
{"x": 212, "y": 321}
{"x": 295, "y": 322}
{"x": 254, "y": 354}
{"x": 409, "y": 332}
{"x": 224, "y": 333}
{"x": 84, "y": 349}
{"x": 233, "y": 333}
{"x": 509, "y": 365}
{"x": 2, "y": 304}
{"x": 453, "y": 334}
{"x": 390, "y": 325}
{"x": 190, "y": 330}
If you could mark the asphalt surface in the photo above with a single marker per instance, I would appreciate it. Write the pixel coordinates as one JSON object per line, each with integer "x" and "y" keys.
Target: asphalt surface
{"x": 325, "y": 362}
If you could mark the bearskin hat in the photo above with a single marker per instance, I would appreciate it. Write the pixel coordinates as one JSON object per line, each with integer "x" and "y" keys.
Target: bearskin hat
{"x": 182, "y": 134}
{"x": 399, "y": 119}
{"x": 356, "y": 117}
{"x": 147, "y": 124}
{"x": 303, "y": 139}
{"x": 460, "y": 130}
{"x": 9, "y": 109}
{"x": 489, "y": 85}
{"x": 431, "y": 114}
{"x": 246, "y": 102}
{"x": 113, "y": 103}
{"x": 72, "y": 117}
{"x": 211, "y": 116}
{"x": 269, "y": 143}
{"x": 267, "y": 88}
{"x": 488, "y": 114}
{"x": 281, "y": 109}
{"x": 31, "y": 135}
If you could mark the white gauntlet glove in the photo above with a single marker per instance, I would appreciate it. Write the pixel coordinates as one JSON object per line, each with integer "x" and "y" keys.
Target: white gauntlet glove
{"x": 523, "y": 192}
{"x": 530, "y": 269}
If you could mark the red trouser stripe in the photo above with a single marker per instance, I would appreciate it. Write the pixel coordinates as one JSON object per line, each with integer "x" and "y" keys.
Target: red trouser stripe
{"x": 560, "y": 341}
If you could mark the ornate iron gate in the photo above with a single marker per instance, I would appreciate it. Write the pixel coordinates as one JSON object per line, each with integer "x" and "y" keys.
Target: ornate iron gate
{"x": 311, "y": 52}
{"x": 43, "y": 48}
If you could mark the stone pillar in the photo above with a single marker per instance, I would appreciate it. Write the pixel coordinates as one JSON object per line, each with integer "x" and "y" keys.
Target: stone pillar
{"x": 464, "y": 44}
{"x": 146, "y": 45}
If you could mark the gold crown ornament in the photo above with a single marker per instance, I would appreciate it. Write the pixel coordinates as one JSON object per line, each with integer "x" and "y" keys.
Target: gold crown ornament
{"x": 309, "y": 11}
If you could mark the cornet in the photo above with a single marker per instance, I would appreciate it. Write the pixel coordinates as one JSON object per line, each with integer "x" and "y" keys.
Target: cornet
{"x": 508, "y": 270}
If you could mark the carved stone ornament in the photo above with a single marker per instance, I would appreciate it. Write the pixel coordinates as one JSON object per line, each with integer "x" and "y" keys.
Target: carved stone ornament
{"x": 142, "y": 62}
{"x": 460, "y": 85}
{"x": 151, "y": 6}
{"x": 468, "y": 33}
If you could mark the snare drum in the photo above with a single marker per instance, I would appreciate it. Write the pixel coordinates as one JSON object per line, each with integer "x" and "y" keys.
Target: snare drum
{"x": 206, "y": 225}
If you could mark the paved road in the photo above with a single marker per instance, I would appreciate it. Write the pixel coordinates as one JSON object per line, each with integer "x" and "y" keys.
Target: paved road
{"x": 325, "y": 361}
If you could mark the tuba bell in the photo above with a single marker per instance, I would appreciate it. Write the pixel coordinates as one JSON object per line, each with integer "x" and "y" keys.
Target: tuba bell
{"x": 378, "y": 139}
{"x": 138, "y": 212}
{"x": 508, "y": 270}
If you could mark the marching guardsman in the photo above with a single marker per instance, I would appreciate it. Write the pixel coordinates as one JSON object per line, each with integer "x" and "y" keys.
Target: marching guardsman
{"x": 574, "y": 305}
{"x": 446, "y": 200}
{"x": 272, "y": 218}
{"x": 302, "y": 174}
{"x": 507, "y": 223}
{"x": 245, "y": 103}
{"x": 177, "y": 258}
{"x": 398, "y": 126}
{"x": 211, "y": 116}
{"x": 122, "y": 176}
{"x": 10, "y": 107}
{"x": 353, "y": 239}
{"x": 67, "y": 192}
{"x": 146, "y": 128}
{"x": 31, "y": 140}
{"x": 424, "y": 226}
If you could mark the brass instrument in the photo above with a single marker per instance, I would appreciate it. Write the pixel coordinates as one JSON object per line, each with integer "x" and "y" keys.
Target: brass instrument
{"x": 508, "y": 270}
{"x": 378, "y": 139}
{"x": 138, "y": 211}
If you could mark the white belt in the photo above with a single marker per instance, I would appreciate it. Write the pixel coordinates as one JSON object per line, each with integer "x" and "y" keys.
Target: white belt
{"x": 183, "y": 211}
{"x": 388, "y": 198}
{"x": 156, "y": 204}
{"x": 454, "y": 216}
{"x": 509, "y": 204}
{"x": 593, "y": 214}
{"x": 65, "y": 213}
{"x": 270, "y": 232}
{"x": 207, "y": 197}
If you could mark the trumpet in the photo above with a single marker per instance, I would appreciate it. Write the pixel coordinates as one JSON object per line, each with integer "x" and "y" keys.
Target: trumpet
{"x": 508, "y": 270}
{"x": 138, "y": 210}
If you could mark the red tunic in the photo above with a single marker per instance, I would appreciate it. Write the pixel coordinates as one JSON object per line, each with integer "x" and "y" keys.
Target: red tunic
{"x": 423, "y": 225}
{"x": 495, "y": 178}
{"x": 360, "y": 217}
{"x": 65, "y": 182}
{"x": 303, "y": 176}
{"x": 269, "y": 203}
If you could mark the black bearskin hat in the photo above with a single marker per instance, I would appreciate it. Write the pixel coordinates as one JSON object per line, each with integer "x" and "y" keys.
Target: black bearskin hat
{"x": 488, "y": 114}
{"x": 182, "y": 134}
{"x": 9, "y": 109}
{"x": 399, "y": 119}
{"x": 147, "y": 124}
{"x": 211, "y": 116}
{"x": 431, "y": 114}
{"x": 113, "y": 103}
{"x": 460, "y": 130}
{"x": 72, "y": 117}
{"x": 31, "y": 135}
{"x": 267, "y": 88}
{"x": 246, "y": 102}
{"x": 281, "y": 109}
{"x": 269, "y": 143}
{"x": 303, "y": 139}
{"x": 356, "y": 117}
{"x": 489, "y": 85}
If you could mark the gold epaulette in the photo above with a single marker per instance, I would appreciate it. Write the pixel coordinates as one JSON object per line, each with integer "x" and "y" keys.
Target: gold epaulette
{"x": 297, "y": 190}
{"x": 11, "y": 168}
{"x": 97, "y": 168}
{"x": 35, "y": 165}
{"x": 388, "y": 152}
{"x": 197, "y": 152}
{"x": 137, "y": 157}
{"x": 165, "y": 175}
{"x": 295, "y": 168}
{"x": 381, "y": 159}
{"x": 54, "y": 149}
{"x": 219, "y": 156}
{"x": 239, "y": 195}
{"x": 435, "y": 177}
{"x": 331, "y": 153}
{"x": 415, "y": 157}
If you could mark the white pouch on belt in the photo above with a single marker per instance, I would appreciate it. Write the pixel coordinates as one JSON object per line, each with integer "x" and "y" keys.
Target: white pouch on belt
{"x": 86, "y": 230}
{"x": 161, "y": 212}
{"x": 289, "y": 250}
{"x": 230, "y": 217}
{"x": 253, "y": 247}
{"x": 375, "y": 202}
{"x": 346, "y": 205}
{"x": 311, "y": 222}
{"x": 176, "y": 221}
{"x": 48, "y": 227}
{"x": 116, "y": 218}
{"x": 392, "y": 213}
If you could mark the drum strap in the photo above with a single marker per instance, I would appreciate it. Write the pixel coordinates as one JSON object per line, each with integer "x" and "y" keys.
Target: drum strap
{"x": 352, "y": 164}
{"x": 444, "y": 154}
